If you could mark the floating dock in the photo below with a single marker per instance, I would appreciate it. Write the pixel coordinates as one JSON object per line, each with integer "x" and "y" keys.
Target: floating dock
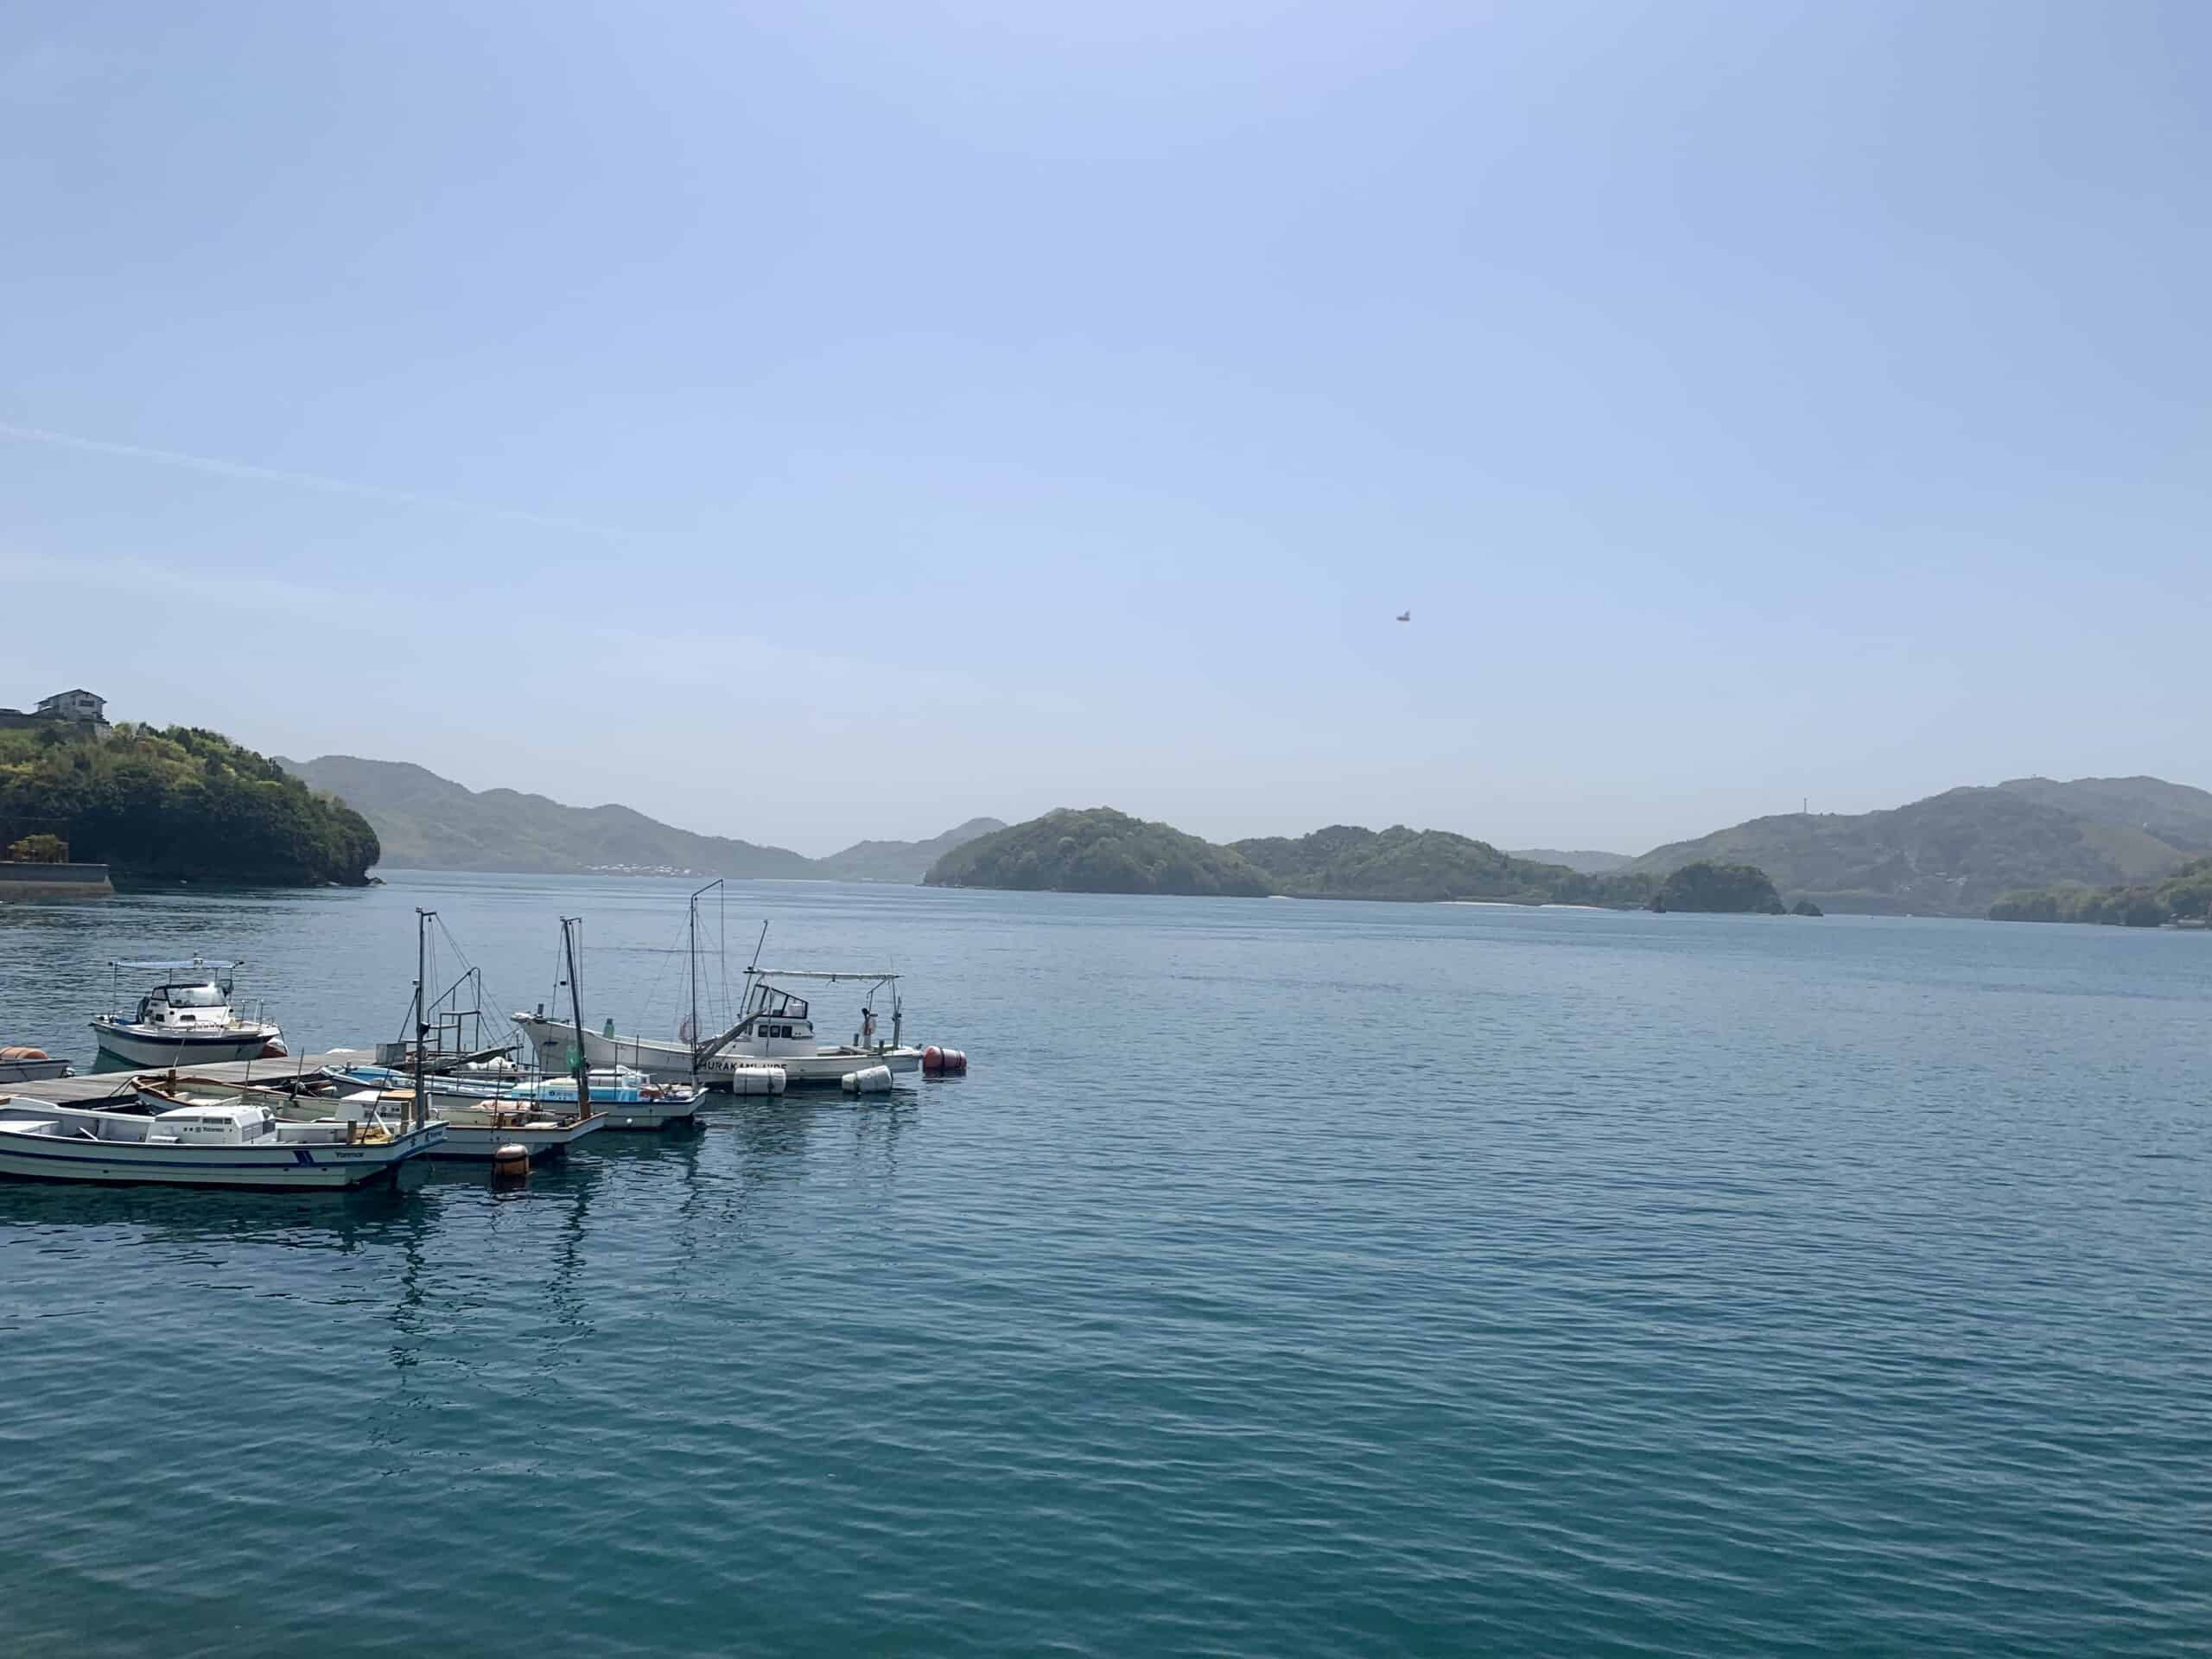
{"x": 102, "y": 1085}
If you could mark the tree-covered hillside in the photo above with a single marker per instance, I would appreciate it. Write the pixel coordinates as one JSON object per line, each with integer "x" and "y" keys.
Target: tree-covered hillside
{"x": 2177, "y": 814}
{"x": 1951, "y": 855}
{"x": 2186, "y": 895}
{"x": 181, "y": 802}
{"x": 1096, "y": 851}
{"x": 1347, "y": 862}
{"x": 1722, "y": 889}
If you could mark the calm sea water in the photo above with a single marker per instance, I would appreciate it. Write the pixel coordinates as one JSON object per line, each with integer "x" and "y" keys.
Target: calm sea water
{"x": 1286, "y": 1279}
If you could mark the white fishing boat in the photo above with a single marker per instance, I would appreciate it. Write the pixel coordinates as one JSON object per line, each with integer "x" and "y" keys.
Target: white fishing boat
{"x": 187, "y": 1018}
{"x": 231, "y": 1144}
{"x": 775, "y": 1031}
{"x": 776, "y": 1028}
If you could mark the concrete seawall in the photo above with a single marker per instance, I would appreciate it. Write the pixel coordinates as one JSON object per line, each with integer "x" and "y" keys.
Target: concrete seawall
{"x": 54, "y": 881}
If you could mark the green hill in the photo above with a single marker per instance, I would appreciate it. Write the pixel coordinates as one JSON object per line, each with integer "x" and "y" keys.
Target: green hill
{"x": 180, "y": 803}
{"x": 426, "y": 821}
{"x": 1347, "y": 862}
{"x": 2175, "y": 813}
{"x": 1722, "y": 889}
{"x": 901, "y": 860}
{"x": 1952, "y": 853}
{"x": 2186, "y": 895}
{"x": 1096, "y": 851}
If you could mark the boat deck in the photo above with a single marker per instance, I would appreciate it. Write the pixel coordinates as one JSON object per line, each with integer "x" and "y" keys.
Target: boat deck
{"x": 101, "y": 1085}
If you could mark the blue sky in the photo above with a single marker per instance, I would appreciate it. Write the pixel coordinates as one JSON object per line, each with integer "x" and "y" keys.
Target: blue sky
{"x": 806, "y": 423}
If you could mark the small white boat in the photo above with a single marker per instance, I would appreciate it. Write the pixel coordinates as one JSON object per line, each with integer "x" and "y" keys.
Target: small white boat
{"x": 231, "y": 1144}
{"x": 187, "y": 1018}
{"x": 475, "y": 1127}
{"x": 21, "y": 1064}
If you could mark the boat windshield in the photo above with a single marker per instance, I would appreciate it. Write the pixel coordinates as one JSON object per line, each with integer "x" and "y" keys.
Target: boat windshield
{"x": 195, "y": 996}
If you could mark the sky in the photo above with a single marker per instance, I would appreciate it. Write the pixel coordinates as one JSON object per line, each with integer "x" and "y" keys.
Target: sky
{"x": 805, "y": 423}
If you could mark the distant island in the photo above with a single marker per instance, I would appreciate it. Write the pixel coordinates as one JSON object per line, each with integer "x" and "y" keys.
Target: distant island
{"x": 430, "y": 822}
{"x": 1723, "y": 889}
{"x": 1956, "y": 853}
{"x": 1972, "y": 851}
{"x": 2185, "y": 897}
{"x": 178, "y": 804}
{"x": 1347, "y": 862}
{"x": 1097, "y": 850}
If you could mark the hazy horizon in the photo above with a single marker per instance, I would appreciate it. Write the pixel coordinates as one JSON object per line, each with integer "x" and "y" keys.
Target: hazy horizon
{"x": 853, "y": 839}
{"x": 838, "y": 425}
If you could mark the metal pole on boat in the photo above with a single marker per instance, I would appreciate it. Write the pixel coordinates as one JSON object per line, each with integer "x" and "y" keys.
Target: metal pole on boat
{"x": 418, "y": 1108}
{"x": 576, "y": 1007}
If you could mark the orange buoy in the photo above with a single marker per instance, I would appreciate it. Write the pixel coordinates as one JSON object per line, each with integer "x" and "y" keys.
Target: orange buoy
{"x": 943, "y": 1062}
{"x": 511, "y": 1161}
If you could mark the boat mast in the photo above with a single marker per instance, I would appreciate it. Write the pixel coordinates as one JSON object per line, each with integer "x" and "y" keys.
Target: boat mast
{"x": 576, "y": 1007}
{"x": 418, "y": 1108}
{"x": 691, "y": 1036}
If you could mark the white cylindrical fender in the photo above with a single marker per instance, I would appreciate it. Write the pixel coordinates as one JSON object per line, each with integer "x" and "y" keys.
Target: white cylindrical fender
{"x": 869, "y": 1080}
{"x": 757, "y": 1080}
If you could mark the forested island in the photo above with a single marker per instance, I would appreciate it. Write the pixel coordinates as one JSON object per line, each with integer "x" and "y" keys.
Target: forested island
{"x": 179, "y": 803}
{"x": 1097, "y": 850}
{"x": 2185, "y": 896}
{"x": 1101, "y": 850}
{"x": 1723, "y": 889}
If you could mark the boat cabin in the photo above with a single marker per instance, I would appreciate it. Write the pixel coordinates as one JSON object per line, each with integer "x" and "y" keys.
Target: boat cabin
{"x": 216, "y": 1124}
{"x": 207, "y": 1003}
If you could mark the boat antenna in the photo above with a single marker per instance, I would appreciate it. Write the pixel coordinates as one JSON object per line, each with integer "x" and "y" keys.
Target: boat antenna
{"x": 569, "y": 925}
{"x": 757, "y": 944}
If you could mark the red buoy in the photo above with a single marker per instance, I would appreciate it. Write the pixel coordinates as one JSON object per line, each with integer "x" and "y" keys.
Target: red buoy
{"x": 943, "y": 1062}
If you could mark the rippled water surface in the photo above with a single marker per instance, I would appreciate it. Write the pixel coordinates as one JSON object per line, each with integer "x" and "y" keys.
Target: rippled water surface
{"x": 1286, "y": 1279}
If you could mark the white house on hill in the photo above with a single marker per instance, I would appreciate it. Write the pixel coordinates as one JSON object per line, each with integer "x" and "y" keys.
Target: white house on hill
{"x": 73, "y": 705}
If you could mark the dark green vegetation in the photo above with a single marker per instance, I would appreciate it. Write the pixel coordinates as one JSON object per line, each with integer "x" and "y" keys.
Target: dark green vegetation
{"x": 1806, "y": 908}
{"x": 1097, "y": 850}
{"x": 1954, "y": 853}
{"x": 901, "y": 860}
{"x": 180, "y": 803}
{"x": 2184, "y": 896}
{"x": 1346, "y": 862}
{"x": 430, "y": 822}
{"x": 1723, "y": 889}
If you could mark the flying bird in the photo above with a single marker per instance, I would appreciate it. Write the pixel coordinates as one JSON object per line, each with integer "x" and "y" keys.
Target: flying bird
{"x": 1405, "y": 616}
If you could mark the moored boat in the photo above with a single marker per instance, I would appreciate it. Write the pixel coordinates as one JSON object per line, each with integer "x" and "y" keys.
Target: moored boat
{"x": 19, "y": 1063}
{"x": 208, "y": 1143}
{"x": 476, "y": 1128}
{"x": 187, "y": 1018}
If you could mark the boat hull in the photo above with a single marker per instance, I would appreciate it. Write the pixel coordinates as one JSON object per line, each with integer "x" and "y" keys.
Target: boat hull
{"x": 662, "y": 1061}
{"x": 32, "y": 1070}
{"x": 156, "y": 1050}
{"x": 665, "y": 1062}
{"x": 268, "y": 1169}
{"x": 479, "y": 1143}
{"x": 825, "y": 1070}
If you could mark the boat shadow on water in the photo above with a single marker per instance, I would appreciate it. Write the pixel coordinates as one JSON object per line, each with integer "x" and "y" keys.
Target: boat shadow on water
{"x": 343, "y": 1219}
